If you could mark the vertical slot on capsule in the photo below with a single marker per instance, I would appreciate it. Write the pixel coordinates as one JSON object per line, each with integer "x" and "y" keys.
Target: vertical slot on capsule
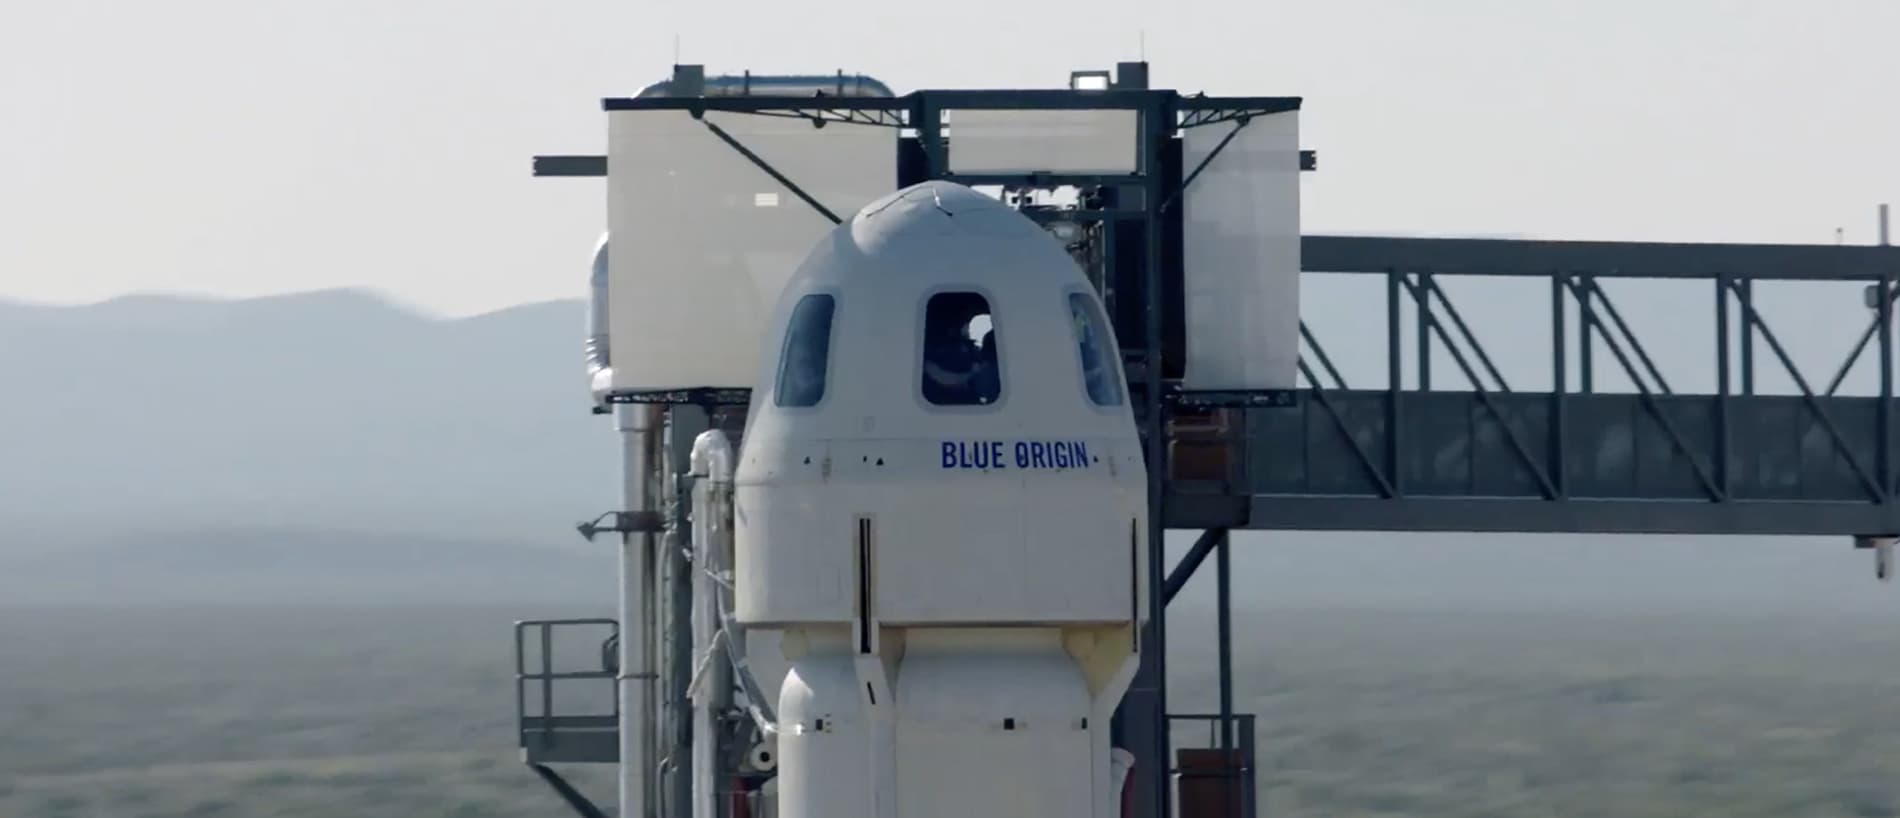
{"x": 1134, "y": 584}
{"x": 864, "y": 545}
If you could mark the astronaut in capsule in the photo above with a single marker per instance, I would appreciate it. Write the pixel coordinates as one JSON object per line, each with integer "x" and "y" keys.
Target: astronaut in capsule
{"x": 960, "y": 362}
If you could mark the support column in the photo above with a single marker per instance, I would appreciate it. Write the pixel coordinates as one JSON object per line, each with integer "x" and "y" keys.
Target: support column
{"x": 1423, "y": 324}
{"x": 1883, "y": 465}
{"x": 1232, "y": 781}
{"x": 1141, "y": 723}
{"x": 1224, "y": 626}
{"x": 1138, "y": 728}
{"x": 634, "y": 683}
{"x": 1746, "y": 294}
{"x": 683, "y": 425}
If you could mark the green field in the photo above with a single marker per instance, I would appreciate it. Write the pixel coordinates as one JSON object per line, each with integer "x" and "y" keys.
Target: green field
{"x": 257, "y": 712}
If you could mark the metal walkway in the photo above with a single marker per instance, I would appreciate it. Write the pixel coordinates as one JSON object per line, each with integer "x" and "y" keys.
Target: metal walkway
{"x": 1647, "y": 458}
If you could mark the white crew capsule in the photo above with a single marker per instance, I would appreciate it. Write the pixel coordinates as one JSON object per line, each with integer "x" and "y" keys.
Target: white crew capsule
{"x": 940, "y": 503}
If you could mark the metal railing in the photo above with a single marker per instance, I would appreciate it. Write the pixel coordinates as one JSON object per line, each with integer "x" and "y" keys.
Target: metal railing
{"x": 547, "y": 736}
{"x": 1211, "y": 781}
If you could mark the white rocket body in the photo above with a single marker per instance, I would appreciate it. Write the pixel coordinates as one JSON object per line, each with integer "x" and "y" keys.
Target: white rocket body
{"x": 958, "y": 571}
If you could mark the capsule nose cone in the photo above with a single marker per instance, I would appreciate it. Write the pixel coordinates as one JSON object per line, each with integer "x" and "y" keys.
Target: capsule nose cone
{"x": 945, "y": 198}
{"x": 933, "y": 212}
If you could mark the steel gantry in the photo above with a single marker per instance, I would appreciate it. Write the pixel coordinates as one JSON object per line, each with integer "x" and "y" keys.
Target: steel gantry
{"x": 1609, "y": 442}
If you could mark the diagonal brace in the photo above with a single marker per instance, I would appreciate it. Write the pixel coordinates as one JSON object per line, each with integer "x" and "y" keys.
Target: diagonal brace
{"x": 1628, "y": 335}
{"x": 1484, "y": 395}
{"x": 1184, "y": 571}
{"x": 1873, "y": 326}
{"x": 574, "y": 798}
{"x": 1874, "y": 488}
{"x": 1648, "y": 398}
{"x": 1386, "y": 489}
{"x": 1432, "y": 288}
{"x": 1209, "y": 158}
{"x": 1312, "y": 342}
{"x": 769, "y": 170}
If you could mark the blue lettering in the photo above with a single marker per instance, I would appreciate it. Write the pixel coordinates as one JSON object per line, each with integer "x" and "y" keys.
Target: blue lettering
{"x": 986, "y": 455}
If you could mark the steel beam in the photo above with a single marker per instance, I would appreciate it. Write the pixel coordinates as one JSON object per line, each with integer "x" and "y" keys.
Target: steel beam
{"x": 1224, "y": 636}
{"x": 1724, "y": 360}
{"x": 1045, "y": 181}
{"x": 773, "y": 172}
{"x": 574, "y": 798}
{"x": 1535, "y": 516}
{"x": 1745, "y": 295}
{"x": 1558, "y": 437}
{"x": 1191, "y": 562}
{"x": 1157, "y": 123}
{"x": 590, "y": 166}
{"x": 1883, "y": 315}
{"x": 1509, "y": 257}
{"x": 1394, "y": 384}
{"x": 756, "y": 103}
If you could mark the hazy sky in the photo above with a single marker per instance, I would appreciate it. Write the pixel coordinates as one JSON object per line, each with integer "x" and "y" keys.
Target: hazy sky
{"x": 253, "y": 146}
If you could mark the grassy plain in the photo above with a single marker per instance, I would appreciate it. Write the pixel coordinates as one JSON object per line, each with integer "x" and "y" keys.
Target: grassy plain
{"x": 407, "y": 712}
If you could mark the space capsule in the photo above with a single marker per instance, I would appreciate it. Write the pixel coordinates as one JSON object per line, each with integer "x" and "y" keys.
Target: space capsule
{"x": 940, "y": 506}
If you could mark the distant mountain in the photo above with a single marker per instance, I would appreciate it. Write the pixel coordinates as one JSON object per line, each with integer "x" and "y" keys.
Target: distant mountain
{"x": 262, "y": 565}
{"x": 335, "y": 446}
{"x": 332, "y": 410}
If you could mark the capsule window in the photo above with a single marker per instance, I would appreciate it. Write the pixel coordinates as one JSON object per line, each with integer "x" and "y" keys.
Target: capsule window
{"x": 961, "y": 367}
{"x": 807, "y": 353}
{"x": 1092, "y": 342}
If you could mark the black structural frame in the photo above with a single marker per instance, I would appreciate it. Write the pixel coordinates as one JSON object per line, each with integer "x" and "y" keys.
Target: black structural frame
{"x": 1576, "y": 457}
{"x": 1143, "y": 209}
{"x": 1478, "y": 457}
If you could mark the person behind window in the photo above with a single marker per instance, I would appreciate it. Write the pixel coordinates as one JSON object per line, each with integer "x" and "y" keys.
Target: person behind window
{"x": 988, "y": 380}
{"x": 1097, "y": 378}
{"x": 950, "y": 362}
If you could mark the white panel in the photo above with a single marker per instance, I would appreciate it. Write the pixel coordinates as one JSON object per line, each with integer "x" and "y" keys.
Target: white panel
{"x": 703, "y": 239}
{"x": 956, "y": 758}
{"x": 824, "y": 772}
{"x": 1087, "y": 141}
{"x": 1242, "y": 255}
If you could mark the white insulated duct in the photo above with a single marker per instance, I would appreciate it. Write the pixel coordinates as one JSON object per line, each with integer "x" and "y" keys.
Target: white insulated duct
{"x": 600, "y": 371}
{"x": 600, "y": 374}
{"x": 712, "y": 550}
{"x": 712, "y": 457}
